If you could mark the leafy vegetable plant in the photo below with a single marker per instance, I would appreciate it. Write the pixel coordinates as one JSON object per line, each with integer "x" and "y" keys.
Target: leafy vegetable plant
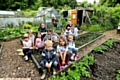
{"x": 77, "y": 70}
{"x": 110, "y": 42}
{"x": 100, "y": 49}
{"x": 118, "y": 75}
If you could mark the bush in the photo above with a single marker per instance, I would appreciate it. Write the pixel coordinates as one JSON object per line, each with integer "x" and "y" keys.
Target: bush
{"x": 27, "y": 26}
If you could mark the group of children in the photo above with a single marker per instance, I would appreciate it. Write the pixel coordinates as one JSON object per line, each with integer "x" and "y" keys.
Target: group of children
{"x": 52, "y": 57}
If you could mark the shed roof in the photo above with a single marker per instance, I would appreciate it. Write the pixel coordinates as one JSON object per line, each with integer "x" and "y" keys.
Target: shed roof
{"x": 47, "y": 11}
{"x": 7, "y": 13}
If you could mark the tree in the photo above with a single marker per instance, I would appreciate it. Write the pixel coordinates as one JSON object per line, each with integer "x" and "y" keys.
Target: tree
{"x": 109, "y": 3}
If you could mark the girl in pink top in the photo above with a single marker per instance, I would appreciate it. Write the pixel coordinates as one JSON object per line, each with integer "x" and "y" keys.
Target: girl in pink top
{"x": 39, "y": 43}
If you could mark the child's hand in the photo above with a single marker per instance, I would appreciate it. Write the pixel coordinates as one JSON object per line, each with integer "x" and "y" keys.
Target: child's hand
{"x": 47, "y": 65}
{"x": 31, "y": 48}
{"x": 63, "y": 62}
{"x": 36, "y": 48}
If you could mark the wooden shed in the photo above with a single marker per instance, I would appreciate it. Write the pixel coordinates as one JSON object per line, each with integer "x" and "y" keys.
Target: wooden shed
{"x": 80, "y": 15}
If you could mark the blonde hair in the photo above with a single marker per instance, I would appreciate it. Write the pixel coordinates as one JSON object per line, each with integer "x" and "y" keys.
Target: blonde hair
{"x": 30, "y": 30}
{"x": 26, "y": 35}
{"x": 71, "y": 35}
{"x": 64, "y": 39}
{"x": 48, "y": 42}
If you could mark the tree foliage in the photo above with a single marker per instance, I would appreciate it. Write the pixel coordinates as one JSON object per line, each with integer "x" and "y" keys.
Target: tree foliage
{"x": 109, "y": 3}
{"x": 34, "y": 4}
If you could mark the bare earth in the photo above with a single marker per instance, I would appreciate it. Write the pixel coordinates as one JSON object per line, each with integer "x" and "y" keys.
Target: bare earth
{"x": 14, "y": 66}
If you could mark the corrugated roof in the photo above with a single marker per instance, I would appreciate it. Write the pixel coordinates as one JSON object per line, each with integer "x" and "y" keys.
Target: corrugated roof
{"x": 7, "y": 13}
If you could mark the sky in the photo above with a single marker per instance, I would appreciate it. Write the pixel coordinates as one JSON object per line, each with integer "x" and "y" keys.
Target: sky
{"x": 90, "y": 1}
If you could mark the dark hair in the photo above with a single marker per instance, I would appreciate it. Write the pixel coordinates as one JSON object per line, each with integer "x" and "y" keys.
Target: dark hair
{"x": 36, "y": 36}
{"x": 68, "y": 26}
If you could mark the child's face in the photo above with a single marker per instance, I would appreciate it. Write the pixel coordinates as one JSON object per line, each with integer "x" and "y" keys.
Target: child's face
{"x": 48, "y": 32}
{"x": 68, "y": 28}
{"x": 70, "y": 38}
{"x": 30, "y": 33}
{"x": 53, "y": 32}
{"x": 48, "y": 47}
{"x": 39, "y": 35}
{"x": 26, "y": 39}
{"x": 62, "y": 42}
{"x": 72, "y": 27}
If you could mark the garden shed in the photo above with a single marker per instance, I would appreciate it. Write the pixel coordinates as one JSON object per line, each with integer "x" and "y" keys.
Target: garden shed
{"x": 47, "y": 15}
{"x": 80, "y": 15}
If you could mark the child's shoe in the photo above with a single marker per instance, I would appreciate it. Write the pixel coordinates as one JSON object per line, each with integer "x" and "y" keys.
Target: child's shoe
{"x": 69, "y": 62}
{"x": 26, "y": 58}
{"x": 75, "y": 57}
{"x": 54, "y": 71}
{"x": 72, "y": 57}
{"x": 64, "y": 66}
{"x": 44, "y": 74}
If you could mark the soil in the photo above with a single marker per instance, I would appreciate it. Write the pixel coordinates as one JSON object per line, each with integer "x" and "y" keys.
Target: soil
{"x": 106, "y": 64}
{"x": 14, "y": 66}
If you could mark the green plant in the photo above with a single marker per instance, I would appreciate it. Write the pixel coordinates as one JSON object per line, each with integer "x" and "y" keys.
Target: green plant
{"x": 83, "y": 27}
{"x": 10, "y": 25}
{"x": 77, "y": 70}
{"x": 100, "y": 49}
{"x": 27, "y": 26}
{"x": 63, "y": 22}
{"x": 96, "y": 28}
{"x": 21, "y": 23}
{"x": 118, "y": 75}
{"x": 50, "y": 25}
{"x": 110, "y": 42}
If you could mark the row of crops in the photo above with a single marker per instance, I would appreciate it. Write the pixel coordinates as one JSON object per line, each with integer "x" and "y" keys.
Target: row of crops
{"x": 8, "y": 33}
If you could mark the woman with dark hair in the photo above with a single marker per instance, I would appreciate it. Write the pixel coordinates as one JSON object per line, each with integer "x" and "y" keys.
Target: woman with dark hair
{"x": 42, "y": 29}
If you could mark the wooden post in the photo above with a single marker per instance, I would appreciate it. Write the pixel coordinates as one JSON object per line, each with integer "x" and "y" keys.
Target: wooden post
{"x": 88, "y": 17}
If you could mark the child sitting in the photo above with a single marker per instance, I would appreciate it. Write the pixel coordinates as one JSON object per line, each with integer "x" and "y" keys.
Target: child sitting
{"x": 63, "y": 55}
{"x": 68, "y": 30}
{"x": 39, "y": 43}
{"x": 31, "y": 36}
{"x": 74, "y": 30}
{"x": 48, "y": 58}
{"x": 27, "y": 47}
{"x": 55, "y": 36}
{"x": 48, "y": 35}
{"x": 71, "y": 47}
{"x": 63, "y": 33}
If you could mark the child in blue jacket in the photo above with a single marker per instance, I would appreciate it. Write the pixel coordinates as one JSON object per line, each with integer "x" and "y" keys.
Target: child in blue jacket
{"x": 49, "y": 60}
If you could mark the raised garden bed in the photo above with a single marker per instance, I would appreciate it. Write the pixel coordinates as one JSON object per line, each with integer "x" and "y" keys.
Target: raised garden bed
{"x": 86, "y": 38}
{"x": 106, "y": 64}
{"x": 82, "y": 40}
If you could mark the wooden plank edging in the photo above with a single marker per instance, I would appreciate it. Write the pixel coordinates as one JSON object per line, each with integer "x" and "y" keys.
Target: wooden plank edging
{"x": 1, "y": 49}
{"x": 35, "y": 62}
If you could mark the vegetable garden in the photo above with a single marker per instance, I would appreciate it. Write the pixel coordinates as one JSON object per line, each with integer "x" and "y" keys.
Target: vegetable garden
{"x": 99, "y": 48}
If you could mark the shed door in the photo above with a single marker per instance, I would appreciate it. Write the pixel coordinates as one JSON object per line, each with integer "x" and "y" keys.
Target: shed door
{"x": 74, "y": 16}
